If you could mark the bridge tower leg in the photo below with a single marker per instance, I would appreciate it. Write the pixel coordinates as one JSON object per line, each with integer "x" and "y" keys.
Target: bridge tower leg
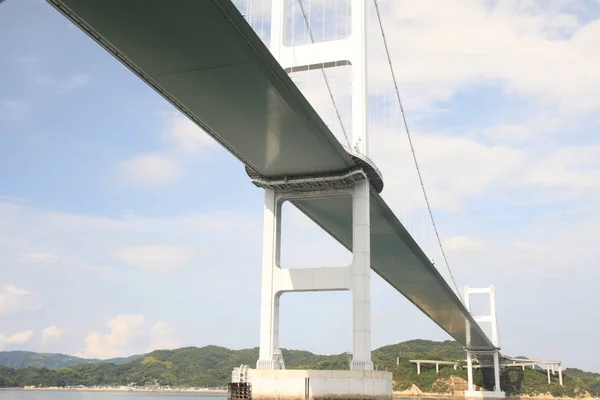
{"x": 347, "y": 51}
{"x": 497, "y": 371}
{"x": 470, "y": 387}
{"x": 492, "y": 320}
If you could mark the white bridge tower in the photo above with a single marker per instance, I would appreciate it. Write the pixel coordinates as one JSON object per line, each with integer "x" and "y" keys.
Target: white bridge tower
{"x": 492, "y": 320}
{"x": 355, "y": 277}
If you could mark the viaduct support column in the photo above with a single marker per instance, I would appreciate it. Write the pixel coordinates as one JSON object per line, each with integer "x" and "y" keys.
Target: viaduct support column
{"x": 560, "y": 380}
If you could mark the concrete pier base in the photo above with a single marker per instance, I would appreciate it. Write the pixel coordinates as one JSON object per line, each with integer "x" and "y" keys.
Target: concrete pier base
{"x": 474, "y": 394}
{"x": 319, "y": 385}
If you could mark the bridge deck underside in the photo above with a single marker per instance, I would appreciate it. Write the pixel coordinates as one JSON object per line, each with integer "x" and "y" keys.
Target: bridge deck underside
{"x": 207, "y": 61}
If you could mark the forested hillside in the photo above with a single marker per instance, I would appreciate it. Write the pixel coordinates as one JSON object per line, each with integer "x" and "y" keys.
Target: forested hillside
{"x": 22, "y": 359}
{"x": 211, "y": 366}
{"x": 590, "y": 379}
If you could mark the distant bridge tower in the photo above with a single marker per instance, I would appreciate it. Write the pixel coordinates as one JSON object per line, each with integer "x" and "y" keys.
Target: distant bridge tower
{"x": 492, "y": 320}
{"x": 355, "y": 277}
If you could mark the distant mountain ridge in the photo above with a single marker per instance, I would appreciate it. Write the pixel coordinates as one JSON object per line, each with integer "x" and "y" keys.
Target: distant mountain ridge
{"x": 23, "y": 359}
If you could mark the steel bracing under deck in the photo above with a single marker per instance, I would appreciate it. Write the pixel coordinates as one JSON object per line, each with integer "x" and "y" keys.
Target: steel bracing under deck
{"x": 205, "y": 59}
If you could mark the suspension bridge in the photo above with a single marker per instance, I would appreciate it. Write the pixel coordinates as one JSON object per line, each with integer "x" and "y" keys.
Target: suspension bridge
{"x": 242, "y": 72}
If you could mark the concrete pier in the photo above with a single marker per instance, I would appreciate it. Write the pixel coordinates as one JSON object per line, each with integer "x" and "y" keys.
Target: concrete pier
{"x": 320, "y": 385}
{"x": 474, "y": 394}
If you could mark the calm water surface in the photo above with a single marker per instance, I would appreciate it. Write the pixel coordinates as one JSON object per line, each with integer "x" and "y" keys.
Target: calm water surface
{"x": 97, "y": 395}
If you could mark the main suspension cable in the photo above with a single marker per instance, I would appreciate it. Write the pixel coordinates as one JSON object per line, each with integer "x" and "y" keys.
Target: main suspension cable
{"x": 412, "y": 149}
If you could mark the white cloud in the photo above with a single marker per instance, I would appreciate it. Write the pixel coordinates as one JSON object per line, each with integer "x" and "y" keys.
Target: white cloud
{"x": 16, "y": 338}
{"x": 509, "y": 132}
{"x": 51, "y": 332}
{"x": 123, "y": 331}
{"x": 12, "y": 290}
{"x": 540, "y": 52}
{"x": 126, "y": 335}
{"x": 149, "y": 170}
{"x": 463, "y": 244}
{"x": 40, "y": 258}
{"x": 162, "y": 336}
{"x": 157, "y": 170}
{"x": 571, "y": 167}
{"x": 186, "y": 135}
{"x": 156, "y": 257}
{"x": 13, "y": 299}
{"x": 157, "y": 242}
{"x": 453, "y": 168}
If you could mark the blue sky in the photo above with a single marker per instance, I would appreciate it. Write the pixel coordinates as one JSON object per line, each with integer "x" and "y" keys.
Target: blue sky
{"x": 124, "y": 228}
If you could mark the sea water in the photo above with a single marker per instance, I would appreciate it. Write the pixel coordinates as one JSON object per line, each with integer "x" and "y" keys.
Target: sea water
{"x": 103, "y": 394}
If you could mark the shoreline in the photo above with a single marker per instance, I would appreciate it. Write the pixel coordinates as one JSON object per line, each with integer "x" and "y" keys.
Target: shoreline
{"x": 459, "y": 395}
{"x": 427, "y": 396}
{"x": 119, "y": 389}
